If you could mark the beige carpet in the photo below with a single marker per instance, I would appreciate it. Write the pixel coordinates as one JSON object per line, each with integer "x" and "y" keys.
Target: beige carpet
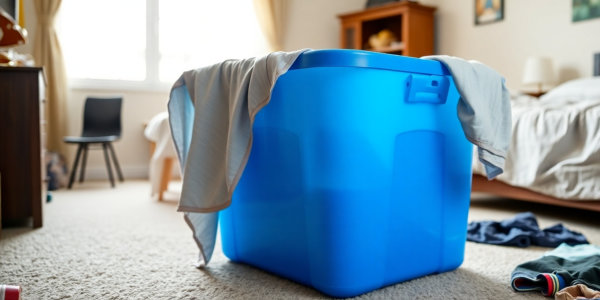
{"x": 103, "y": 243}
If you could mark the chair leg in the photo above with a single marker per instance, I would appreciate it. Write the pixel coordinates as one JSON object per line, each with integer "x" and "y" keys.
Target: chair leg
{"x": 165, "y": 177}
{"x": 116, "y": 162}
{"x": 83, "y": 163}
{"x": 108, "y": 168}
{"x": 74, "y": 169}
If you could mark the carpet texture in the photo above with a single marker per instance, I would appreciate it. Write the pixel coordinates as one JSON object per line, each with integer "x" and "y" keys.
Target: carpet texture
{"x": 103, "y": 243}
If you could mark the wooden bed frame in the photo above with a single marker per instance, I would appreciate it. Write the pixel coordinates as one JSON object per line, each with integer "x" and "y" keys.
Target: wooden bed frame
{"x": 481, "y": 184}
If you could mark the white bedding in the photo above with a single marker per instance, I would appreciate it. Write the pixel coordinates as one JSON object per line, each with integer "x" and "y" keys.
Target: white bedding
{"x": 555, "y": 146}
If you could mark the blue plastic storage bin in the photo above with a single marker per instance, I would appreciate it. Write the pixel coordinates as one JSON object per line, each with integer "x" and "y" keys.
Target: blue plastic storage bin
{"x": 359, "y": 175}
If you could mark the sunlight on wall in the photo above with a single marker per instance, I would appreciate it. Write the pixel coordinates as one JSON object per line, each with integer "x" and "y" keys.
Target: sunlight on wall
{"x": 154, "y": 41}
{"x": 198, "y": 33}
{"x": 104, "y": 39}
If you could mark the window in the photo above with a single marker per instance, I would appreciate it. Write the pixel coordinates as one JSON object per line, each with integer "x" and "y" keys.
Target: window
{"x": 149, "y": 43}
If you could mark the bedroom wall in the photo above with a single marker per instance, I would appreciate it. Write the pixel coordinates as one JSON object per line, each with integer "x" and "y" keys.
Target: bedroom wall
{"x": 30, "y": 23}
{"x": 314, "y": 23}
{"x": 138, "y": 108}
{"x": 533, "y": 27}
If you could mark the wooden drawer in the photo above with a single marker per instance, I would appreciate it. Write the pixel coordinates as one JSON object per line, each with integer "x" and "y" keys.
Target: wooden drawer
{"x": 21, "y": 162}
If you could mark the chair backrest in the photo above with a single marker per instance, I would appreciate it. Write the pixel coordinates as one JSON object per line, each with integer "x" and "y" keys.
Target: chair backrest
{"x": 102, "y": 117}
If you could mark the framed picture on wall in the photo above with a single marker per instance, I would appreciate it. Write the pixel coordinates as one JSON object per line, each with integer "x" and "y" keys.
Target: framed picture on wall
{"x": 488, "y": 11}
{"x": 585, "y": 9}
{"x": 11, "y": 7}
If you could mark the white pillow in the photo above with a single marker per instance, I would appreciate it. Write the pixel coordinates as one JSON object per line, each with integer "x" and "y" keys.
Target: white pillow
{"x": 575, "y": 90}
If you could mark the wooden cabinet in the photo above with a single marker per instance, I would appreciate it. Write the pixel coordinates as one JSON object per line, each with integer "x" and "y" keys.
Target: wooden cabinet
{"x": 22, "y": 94}
{"x": 411, "y": 23}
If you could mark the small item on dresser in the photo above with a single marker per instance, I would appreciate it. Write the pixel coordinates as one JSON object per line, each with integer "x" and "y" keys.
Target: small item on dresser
{"x": 372, "y": 3}
{"x": 11, "y": 35}
{"x": 382, "y": 39}
{"x": 10, "y": 292}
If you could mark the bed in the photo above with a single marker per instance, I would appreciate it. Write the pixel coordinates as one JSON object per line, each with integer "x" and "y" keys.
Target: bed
{"x": 554, "y": 156}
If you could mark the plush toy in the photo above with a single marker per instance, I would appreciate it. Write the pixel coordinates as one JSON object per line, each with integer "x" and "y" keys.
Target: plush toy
{"x": 382, "y": 39}
{"x": 11, "y": 35}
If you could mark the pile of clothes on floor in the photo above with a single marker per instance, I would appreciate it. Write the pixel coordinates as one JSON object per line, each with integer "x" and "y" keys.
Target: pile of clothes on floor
{"x": 570, "y": 271}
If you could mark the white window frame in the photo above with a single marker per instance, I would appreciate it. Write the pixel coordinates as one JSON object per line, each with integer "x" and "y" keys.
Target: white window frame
{"x": 152, "y": 82}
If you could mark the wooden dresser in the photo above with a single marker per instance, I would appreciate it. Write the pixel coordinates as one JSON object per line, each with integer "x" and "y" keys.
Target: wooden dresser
{"x": 411, "y": 23}
{"x": 22, "y": 96}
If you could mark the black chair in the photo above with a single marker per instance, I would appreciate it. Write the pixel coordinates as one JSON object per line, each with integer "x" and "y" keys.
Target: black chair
{"x": 101, "y": 125}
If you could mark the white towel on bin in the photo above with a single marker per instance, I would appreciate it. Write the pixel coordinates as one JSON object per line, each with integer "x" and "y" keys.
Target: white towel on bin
{"x": 483, "y": 109}
{"x": 211, "y": 112}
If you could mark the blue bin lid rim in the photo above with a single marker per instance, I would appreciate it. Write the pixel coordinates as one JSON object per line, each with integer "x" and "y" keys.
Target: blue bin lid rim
{"x": 367, "y": 59}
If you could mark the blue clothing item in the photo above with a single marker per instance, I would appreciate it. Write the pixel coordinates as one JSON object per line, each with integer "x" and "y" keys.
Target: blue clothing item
{"x": 559, "y": 268}
{"x": 574, "y": 252}
{"x": 547, "y": 283}
{"x": 522, "y": 231}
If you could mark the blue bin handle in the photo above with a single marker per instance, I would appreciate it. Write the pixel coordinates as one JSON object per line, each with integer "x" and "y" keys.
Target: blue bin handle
{"x": 427, "y": 89}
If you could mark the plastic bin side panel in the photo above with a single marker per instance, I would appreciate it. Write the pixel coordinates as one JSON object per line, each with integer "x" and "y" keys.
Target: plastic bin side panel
{"x": 346, "y": 174}
{"x": 227, "y": 232}
{"x": 415, "y": 224}
{"x": 347, "y": 240}
{"x": 347, "y": 138}
{"x": 457, "y": 185}
{"x": 268, "y": 205}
